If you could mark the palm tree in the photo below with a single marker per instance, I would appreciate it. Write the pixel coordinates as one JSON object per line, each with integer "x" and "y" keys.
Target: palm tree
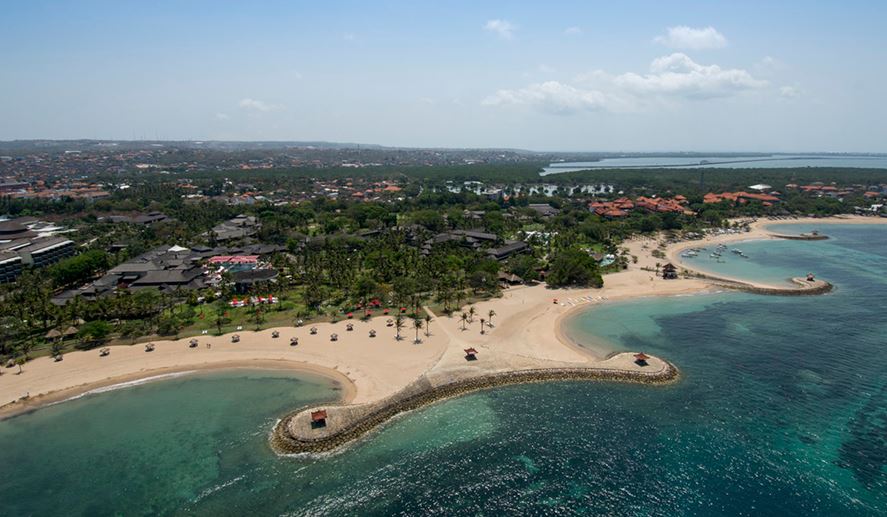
{"x": 417, "y": 324}
{"x": 57, "y": 349}
{"x": 427, "y": 325}
{"x": 398, "y": 326}
{"x": 471, "y": 312}
{"x": 482, "y": 321}
{"x": 491, "y": 314}
{"x": 464, "y": 319}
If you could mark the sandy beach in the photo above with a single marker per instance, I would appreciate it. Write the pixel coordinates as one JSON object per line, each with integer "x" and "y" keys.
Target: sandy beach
{"x": 525, "y": 335}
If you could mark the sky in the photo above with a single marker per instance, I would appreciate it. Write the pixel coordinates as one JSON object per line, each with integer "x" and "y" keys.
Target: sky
{"x": 548, "y": 76}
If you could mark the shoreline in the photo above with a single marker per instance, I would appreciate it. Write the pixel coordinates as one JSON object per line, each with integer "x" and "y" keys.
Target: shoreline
{"x": 760, "y": 232}
{"x": 528, "y": 336}
{"x": 340, "y": 382}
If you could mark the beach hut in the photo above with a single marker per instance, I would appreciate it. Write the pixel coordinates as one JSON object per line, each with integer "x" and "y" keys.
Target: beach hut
{"x": 372, "y": 333}
{"x": 70, "y": 331}
{"x": 235, "y": 338}
{"x": 318, "y": 418}
{"x": 334, "y": 337}
{"x": 314, "y": 330}
{"x": 275, "y": 334}
{"x": 669, "y": 271}
{"x": 811, "y": 277}
{"x": 53, "y": 334}
{"x": 105, "y": 351}
{"x": 470, "y": 354}
{"x": 193, "y": 343}
{"x": 149, "y": 347}
{"x": 641, "y": 359}
{"x": 294, "y": 341}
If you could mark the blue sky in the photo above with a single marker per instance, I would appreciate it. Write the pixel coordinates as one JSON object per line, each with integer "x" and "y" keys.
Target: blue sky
{"x": 596, "y": 76}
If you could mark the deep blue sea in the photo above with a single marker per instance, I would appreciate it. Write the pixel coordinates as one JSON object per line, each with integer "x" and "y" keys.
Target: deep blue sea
{"x": 781, "y": 410}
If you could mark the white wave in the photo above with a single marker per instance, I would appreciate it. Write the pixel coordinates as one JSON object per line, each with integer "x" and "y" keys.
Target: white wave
{"x": 127, "y": 384}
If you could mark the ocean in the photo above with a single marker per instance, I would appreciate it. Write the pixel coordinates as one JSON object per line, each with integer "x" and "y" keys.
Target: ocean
{"x": 781, "y": 410}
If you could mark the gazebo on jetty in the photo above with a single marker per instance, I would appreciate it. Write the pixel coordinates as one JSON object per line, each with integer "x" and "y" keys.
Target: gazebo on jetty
{"x": 641, "y": 358}
{"x": 318, "y": 418}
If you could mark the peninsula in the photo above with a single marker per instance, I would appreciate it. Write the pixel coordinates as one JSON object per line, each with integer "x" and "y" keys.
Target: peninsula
{"x": 380, "y": 376}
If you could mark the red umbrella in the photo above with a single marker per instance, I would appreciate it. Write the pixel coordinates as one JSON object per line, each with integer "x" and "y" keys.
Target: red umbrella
{"x": 350, "y": 314}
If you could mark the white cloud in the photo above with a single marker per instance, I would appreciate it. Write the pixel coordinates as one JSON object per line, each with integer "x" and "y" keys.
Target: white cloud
{"x": 684, "y": 37}
{"x": 257, "y": 105}
{"x": 551, "y": 96}
{"x": 675, "y": 76}
{"x": 503, "y": 28}
{"x": 572, "y": 31}
{"x": 790, "y": 92}
{"x": 678, "y": 75}
{"x": 222, "y": 116}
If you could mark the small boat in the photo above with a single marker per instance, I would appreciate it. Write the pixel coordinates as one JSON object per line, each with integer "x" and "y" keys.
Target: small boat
{"x": 737, "y": 251}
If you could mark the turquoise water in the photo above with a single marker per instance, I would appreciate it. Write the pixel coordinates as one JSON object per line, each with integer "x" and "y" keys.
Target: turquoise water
{"x": 777, "y": 261}
{"x": 782, "y": 410}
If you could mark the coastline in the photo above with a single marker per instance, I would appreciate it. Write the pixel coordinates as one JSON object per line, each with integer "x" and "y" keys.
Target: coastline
{"x": 528, "y": 335}
{"x": 340, "y": 382}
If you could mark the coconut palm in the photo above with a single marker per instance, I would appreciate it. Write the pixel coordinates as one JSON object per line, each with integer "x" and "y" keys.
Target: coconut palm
{"x": 464, "y": 319}
{"x": 56, "y": 350}
{"x": 398, "y": 326}
{"x": 417, "y": 324}
{"x": 490, "y": 315}
{"x": 427, "y": 325}
{"x": 482, "y": 321}
{"x": 471, "y": 312}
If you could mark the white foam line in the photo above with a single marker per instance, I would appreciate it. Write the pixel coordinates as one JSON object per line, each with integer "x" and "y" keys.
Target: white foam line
{"x": 127, "y": 384}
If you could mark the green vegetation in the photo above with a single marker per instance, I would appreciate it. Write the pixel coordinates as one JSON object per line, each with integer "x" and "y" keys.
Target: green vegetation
{"x": 345, "y": 255}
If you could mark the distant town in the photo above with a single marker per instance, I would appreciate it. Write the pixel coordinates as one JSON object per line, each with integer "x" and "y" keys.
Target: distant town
{"x": 105, "y": 241}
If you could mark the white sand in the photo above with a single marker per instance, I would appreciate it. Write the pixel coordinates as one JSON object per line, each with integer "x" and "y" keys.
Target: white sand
{"x": 526, "y": 334}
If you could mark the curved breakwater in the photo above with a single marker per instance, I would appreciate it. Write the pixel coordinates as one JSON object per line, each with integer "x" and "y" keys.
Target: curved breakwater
{"x": 353, "y": 422}
{"x": 803, "y": 286}
{"x": 801, "y": 237}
